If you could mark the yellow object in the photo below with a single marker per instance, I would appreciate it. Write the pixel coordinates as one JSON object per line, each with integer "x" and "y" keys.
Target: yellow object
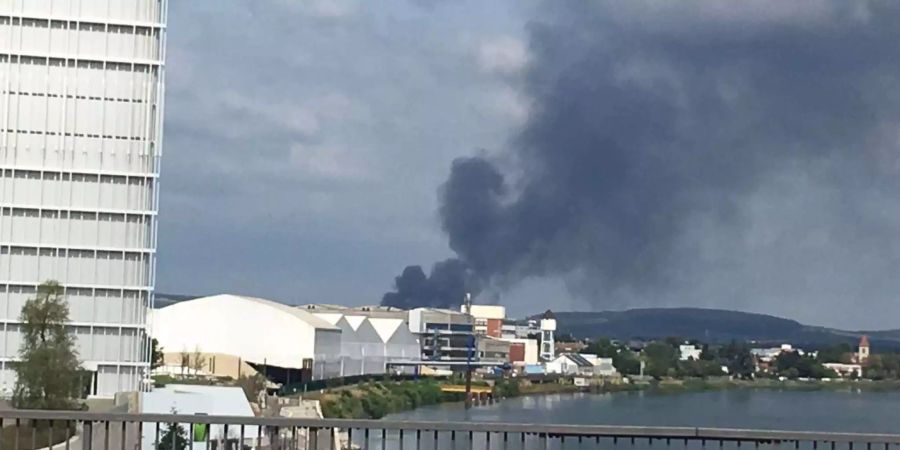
{"x": 461, "y": 388}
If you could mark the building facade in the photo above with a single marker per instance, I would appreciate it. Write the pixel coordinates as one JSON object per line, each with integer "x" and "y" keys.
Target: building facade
{"x": 488, "y": 319}
{"x": 444, "y": 335}
{"x": 81, "y": 100}
{"x": 284, "y": 343}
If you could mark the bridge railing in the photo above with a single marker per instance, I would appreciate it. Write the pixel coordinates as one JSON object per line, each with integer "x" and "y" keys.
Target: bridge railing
{"x": 61, "y": 430}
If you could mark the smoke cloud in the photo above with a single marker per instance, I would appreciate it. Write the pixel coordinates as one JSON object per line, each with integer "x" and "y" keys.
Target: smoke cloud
{"x": 692, "y": 150}
{"x": 446, "y": 286}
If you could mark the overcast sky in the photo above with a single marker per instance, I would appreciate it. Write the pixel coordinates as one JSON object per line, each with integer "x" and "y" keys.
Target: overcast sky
{"x": 305, "y": 143}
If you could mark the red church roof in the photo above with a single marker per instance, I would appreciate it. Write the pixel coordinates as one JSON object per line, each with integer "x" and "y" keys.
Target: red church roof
{"x": 864, "y": 342}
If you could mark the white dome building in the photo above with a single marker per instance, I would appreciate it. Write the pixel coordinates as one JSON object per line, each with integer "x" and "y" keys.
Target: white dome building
{"x": 256, "y": 331}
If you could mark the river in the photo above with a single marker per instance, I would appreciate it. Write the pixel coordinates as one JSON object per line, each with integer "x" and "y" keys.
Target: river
{"x": 821, "y": 410}
{"x": 824, "y": 410}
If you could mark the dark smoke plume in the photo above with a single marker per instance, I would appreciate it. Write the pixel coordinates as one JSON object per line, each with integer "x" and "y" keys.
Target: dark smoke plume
{"x": 446, "y": 286}
{"x": 656, "y": 131}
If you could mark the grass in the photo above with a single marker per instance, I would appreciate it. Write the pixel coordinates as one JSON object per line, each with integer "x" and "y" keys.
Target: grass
{"x": 33, "y": 435}
{"x": 374, "y": 400}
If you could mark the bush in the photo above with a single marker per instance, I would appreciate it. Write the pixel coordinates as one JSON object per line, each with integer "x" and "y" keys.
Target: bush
{"x": 375, "y": 400}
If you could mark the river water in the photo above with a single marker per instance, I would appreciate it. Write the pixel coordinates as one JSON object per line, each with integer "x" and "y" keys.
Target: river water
{"x": 858, "y": 411}
{"x": 827, "y": 411}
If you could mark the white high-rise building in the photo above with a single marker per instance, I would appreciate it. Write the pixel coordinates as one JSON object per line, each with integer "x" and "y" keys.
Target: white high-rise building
{"x": 81, "y": 100}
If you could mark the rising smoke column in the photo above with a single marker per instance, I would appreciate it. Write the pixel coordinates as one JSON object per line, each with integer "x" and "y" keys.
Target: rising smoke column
{"x": 447, "y": 284}
{"x": 651, "y": 117}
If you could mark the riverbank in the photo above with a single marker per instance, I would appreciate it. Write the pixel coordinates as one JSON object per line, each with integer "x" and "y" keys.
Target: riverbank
{"x": 693, "y": 385}
{"x": 374, "y": 400}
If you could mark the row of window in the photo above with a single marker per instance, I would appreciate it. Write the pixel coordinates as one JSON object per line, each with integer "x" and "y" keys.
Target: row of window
{"x": 78, "y": 25}
{"x": 92, "y": 118}
{"x": 84, "y": 267}
{"x": 92, "y": 79}
{"x": 73, "y": 96}
{"x": 81, "y": 154}
{"x": 86, "y": 305}
{"x": 112, "y": 10}
{"x": 83, "y": 39}
{"x": 97, "y": 344}
{"x": 77, "y": 190}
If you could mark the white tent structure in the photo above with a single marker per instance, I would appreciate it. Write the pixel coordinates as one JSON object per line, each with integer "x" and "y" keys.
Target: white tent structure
{"x": 254, "y": 329}
{"x": 371, "y": 336}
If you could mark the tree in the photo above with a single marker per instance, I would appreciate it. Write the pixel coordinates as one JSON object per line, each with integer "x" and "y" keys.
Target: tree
{"x": 185, "y": 361}
{"x": 156, "y": 354}
{"x": 627, "y": 362}
{"x": 198, "y": 361}
{"x": 174, "y": 438}
{"x": 700, "y": 368}
{"x": 48, "y": 373}
{"x": 661, "y": 357}
{"x": 602, "y": 347}
{"x": 835, "y": 353}
{"x": 252, "y": 385}
{"x": 737, "y": 357}
{"x": 792, "y": 365}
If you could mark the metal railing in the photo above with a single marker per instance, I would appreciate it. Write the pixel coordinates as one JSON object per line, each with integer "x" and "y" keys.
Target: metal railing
{"x": 61, "y": 430}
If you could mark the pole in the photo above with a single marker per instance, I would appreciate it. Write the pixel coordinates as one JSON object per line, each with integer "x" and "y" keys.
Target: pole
{"x": 469, "y": 373}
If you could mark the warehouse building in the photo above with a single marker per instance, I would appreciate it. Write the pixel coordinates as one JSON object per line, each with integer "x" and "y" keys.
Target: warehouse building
{"x": 444, "y": 335}
{"x": 286, "y": 343}
{"x": 371, "y": 336}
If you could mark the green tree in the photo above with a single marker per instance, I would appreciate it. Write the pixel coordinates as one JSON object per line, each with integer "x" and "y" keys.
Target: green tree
{"x": 627, "y": 362}
{"x": 737, "y": 358}
{"x": 156, "y": 354}
{"x": 48, "y": 372}
{"x": 793, "y": 365}
{"x": 660, "y": 356}
{"x": 602, "y": 347}
{"x": 252, "y": 385}
{"x": 174, "y": 438}
{"x": 835, "y": 353}
{"x": 700, "y": 368}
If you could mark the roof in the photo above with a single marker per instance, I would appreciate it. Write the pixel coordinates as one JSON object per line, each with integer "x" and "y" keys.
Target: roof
{"x": 579, "y": 360}
{"x": 864, "y": 342}
{"x": 251, "y": 328}
{"x": 309, "y": 318}
{"x": 322, "y": 306}
{"x": 378, "y": 308}
{"x": 548, "y": 315}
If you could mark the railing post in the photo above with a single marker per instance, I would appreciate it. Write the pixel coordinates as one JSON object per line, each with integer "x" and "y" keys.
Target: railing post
{"x": 86, "y": 435}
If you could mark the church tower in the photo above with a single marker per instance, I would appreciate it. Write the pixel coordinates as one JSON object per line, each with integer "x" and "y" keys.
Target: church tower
{"x": 862, "y": 355}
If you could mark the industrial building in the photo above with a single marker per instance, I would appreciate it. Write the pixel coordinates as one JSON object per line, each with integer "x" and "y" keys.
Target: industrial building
{"x": 81, "y": 102}
{"x": 286, "y": 343}
{"x": 488, "y": 319}
{"x": 445, "y": 335}
{"x": 371, "y": 336}
{"x": 523, "y": 351}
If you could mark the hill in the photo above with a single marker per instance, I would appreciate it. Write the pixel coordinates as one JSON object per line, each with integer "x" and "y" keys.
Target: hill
{"x": 163, "y": 300}
{"x": 711, "y": 325}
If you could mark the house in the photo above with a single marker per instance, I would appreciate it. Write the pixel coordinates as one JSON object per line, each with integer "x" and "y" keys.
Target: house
{"x": 602, "y": 366}
{"x": 569, "y": 347}
{"x": 845, "y": 370}
{"x": 689, "y": 352}
{"x": 765, "y": 357}
{"x": 570, "y": 364}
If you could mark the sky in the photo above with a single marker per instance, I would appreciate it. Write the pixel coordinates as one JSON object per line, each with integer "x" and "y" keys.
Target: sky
{"x": 578, "y": 156}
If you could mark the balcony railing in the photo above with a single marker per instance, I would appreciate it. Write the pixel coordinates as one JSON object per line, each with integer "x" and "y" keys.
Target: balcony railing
{"x": 100, "y": 431}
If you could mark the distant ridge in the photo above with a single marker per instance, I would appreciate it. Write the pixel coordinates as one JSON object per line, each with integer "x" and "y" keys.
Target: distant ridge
{"x": 162, "y": 300}
{"x": 711, "y": 325}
